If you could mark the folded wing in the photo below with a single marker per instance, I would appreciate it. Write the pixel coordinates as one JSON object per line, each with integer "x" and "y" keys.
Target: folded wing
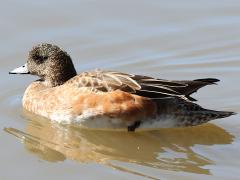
{"x": 107, "y": 81}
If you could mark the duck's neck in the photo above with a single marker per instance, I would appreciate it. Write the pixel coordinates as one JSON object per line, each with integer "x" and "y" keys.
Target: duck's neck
{"x": 60, "y": 77}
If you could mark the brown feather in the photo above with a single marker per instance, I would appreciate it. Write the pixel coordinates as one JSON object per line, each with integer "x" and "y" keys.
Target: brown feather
{"x": 107, "y": 81}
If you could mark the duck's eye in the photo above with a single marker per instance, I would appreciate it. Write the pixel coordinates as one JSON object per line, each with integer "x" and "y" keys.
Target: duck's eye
{"x": 39, "y": 59}
{"x": 44, "y": 57}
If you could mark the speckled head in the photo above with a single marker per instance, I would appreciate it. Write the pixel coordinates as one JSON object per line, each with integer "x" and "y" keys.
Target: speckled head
{"x": 53, "y": 65}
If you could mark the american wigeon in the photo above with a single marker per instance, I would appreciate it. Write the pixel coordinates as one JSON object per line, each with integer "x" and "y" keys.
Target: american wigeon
{"x": 108, "y": 99}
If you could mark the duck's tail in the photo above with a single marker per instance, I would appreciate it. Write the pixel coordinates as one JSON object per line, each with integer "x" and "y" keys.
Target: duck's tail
{"x": 187, "y": 113}
{"x": 194, "y": 86}
{"x": 199, "y": 117}
{"x": 160, "y": 88}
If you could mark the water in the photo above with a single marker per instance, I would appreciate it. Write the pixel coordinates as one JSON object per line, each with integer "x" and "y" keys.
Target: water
{"x": 166, "y": 39}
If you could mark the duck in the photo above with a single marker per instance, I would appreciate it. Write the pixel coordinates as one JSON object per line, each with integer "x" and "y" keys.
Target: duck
{"x": 105, "y": 99}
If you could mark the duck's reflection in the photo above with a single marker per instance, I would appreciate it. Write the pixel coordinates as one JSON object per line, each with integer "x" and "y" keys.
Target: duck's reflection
{"x": 165, "y": 149}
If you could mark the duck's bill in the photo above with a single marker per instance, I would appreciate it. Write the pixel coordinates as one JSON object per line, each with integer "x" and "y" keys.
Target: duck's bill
{"x": 20, "y": 70}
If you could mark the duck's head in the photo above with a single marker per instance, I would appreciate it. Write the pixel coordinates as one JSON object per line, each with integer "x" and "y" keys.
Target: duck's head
{"x": 53, "y": 65}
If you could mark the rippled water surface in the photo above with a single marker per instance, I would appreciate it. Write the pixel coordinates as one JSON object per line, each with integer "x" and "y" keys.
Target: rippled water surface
{"x": 167, "y": 39}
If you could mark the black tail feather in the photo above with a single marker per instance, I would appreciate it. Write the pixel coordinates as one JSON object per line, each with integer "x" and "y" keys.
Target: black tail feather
{"x": 208, "y": 80}
{"x": 158, "y": 88}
